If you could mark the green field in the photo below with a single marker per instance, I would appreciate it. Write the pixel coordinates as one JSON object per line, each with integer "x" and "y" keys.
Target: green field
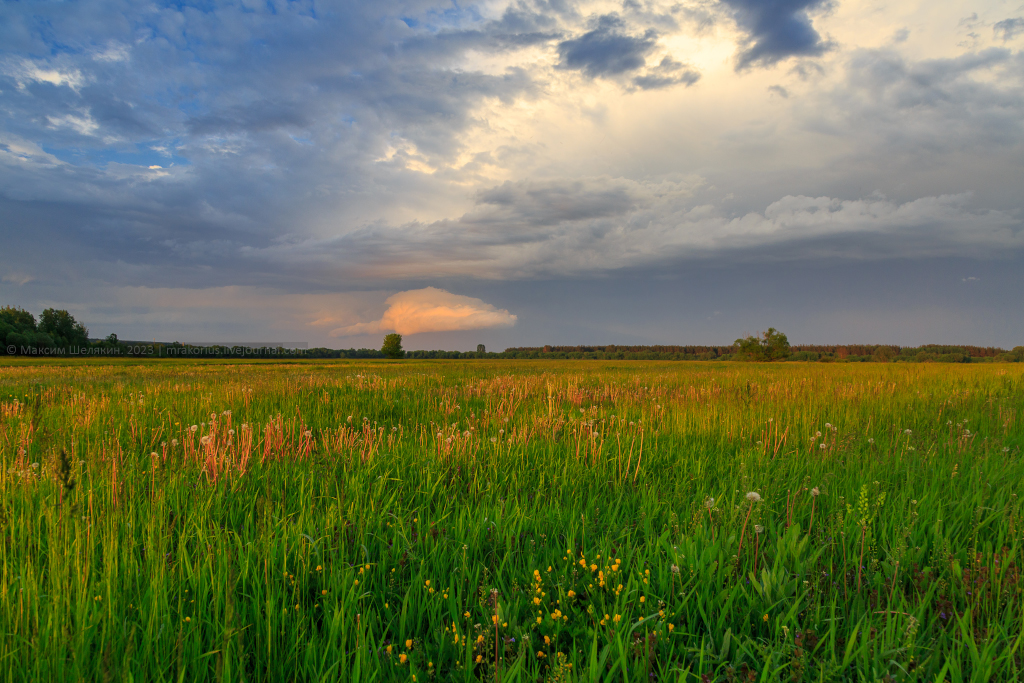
{"x": 510, "y": 521}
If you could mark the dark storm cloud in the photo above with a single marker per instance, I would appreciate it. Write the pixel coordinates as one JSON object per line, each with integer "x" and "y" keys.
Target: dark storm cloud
{"x": 777, "y": 29}
{"x": 608, "y": 50}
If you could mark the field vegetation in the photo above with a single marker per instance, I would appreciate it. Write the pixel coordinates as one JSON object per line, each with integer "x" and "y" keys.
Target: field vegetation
{"x": 510, "y": 521}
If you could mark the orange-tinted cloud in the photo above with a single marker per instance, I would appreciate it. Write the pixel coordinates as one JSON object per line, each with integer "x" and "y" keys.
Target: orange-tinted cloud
{"x": 431, "y": 310}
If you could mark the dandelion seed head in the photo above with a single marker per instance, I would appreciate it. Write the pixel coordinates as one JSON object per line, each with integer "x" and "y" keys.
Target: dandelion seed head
{"x": 753, "y": 496}
{"x": 815, "y": 492}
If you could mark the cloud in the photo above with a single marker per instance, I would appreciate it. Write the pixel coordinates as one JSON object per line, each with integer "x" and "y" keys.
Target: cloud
{"x": 777, "y": 29}
{"x": 607, "y": 50}
{"x": 431, "y": 310}
{"x": 1009, "y": 28}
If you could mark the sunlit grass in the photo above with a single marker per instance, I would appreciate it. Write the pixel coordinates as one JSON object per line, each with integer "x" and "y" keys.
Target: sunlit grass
{"x": 511, "y": 521}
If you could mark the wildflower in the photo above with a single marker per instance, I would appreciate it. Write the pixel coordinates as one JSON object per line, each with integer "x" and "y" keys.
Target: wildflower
{"x": 194, "y": 428}
{"x": 815, "y": 492}
{"x": 709, "y": 503}
{"x": 757, "y": 528}
{"x": 408, "y": 644}
{"x": 766, "y": 618}
{"x": 754, "y": 496}
{"x": 402, "y": 659}
{"x": 188, "y": 619}
{"x": 675, "y": 569}
{"x": 389, "y": 647}
{"x": 871, "y": 440}
{"x": 828, "y": 425}
{"x": 617, "y": 618}
{"x": 671, "y": 627}
{"x": 205, "y": 440}
{"x": 817, "y": 433}
{"x": 174, "y": 442}
{"x": 643, "y": 599}
{"x": 350, "y": 419}
{"x": 907, "y": 432}
{"x": 308, "y": 433}
{"x": 323, "y": 592}
{"x": 34, "y": 466}
{"x": 822, "y": 446}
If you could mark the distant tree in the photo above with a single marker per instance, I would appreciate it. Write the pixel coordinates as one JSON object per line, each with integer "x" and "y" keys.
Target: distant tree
{"x": 480, "y": 348}
{"x": 884, "y": 354}
{"x": 392, "y": 347}
{"x": 767, "y": 346}
{"x": 18, "y": 318}
{"x": 62, "y": 327}
{"x": 112, "y": 339}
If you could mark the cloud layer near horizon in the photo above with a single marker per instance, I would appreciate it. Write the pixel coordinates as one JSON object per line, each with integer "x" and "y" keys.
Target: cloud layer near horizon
{"x": 308, "y": 149}
{"x": 431, "y": 310}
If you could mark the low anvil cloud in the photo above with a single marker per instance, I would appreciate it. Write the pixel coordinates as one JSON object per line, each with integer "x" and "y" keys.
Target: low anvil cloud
{"x": 431, "y": 310}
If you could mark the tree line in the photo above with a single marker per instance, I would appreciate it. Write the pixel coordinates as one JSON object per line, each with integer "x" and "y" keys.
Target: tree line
{"x": 57, "y": 333}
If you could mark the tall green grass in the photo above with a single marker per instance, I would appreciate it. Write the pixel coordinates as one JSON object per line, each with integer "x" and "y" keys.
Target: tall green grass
{"x": 510, "y": 521}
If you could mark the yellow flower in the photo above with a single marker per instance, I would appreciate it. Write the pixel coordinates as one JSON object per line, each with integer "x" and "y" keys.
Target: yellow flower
{"x": 479, "y": 658}
{"x": 402, "y": 659}
{"x": 671, "y": 627}
{"x": 539, "y": 620}
{"x": 547, "y": 640}
{"x": 323, "y": 592}
{"x": 766, "y": 617}
{"x": 319, "y": 568}
{"x": 540, "y": 655}
{"x": 617, "y": 618}
{"x": 536, "y": 601}
{"x": 408, "y": 645}
{"x": 389, "y": 648}
{"x": 466, "y": 615}
{"x": 572, "y": 594}
{"x": 643, "y": 599}
{"x": 188, "y": 618}
{"x": 427, "y": 583}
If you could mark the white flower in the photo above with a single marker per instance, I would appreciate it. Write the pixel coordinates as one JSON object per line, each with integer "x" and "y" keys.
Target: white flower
{"x": 501, "y": 431}
{"x": 231, "y": 432}
{"x": 205, "y": 440}
{"x": 194, "y": 428}
{"x": 440, "y": 435}
{"x": 34, "y": 466}
{"x": 163, "y": 443}
{"x": 174, "y": 442}
{"x": 753, "y": 496}
{"x": 153, "y": 455}
{"x": 815, "y": 492}
{"x": 871, "y": 440}
{"x": 675, "y": 569}
{"x": 758, "y": 528}
{"x": 709, "y": 502}
{"x": 907, "y": 431}
{"x": 828, "y": 425}
{"x": 394, "y": 429}
{"x": 308, "y": 433}
{"x": 817, "y": 433}
{"x": 494, "y": 440}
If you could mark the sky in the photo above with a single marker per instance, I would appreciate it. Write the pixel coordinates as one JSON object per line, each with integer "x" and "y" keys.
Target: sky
{"x": 516, "y": 173}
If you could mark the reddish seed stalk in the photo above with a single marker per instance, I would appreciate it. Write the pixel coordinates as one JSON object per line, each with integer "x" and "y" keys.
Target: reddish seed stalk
{"x": 743, "y": 533}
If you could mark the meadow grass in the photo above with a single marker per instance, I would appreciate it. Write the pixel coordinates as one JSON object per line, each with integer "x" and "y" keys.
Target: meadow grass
{"x": 510, "y": 521}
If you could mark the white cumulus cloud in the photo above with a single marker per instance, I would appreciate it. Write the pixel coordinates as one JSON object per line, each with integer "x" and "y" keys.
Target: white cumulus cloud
{"x": 432, "y": 310}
